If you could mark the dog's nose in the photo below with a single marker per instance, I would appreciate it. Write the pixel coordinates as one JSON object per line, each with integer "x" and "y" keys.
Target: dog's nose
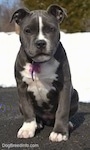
{"x": 40, "y": 44}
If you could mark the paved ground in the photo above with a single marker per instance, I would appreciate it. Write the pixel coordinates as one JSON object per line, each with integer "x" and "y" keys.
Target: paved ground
{"x": 11, "y": 120}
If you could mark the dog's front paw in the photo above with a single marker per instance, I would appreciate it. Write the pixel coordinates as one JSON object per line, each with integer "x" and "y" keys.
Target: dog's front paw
{"x": 57, "y": 137}
{"x": 27, "y": 130}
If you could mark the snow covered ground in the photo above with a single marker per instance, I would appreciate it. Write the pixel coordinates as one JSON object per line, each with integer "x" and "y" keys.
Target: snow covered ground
{"x": 77, "y": 46}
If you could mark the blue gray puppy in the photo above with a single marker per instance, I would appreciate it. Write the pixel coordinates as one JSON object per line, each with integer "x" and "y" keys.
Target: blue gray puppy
{"x": 42, "y": 73}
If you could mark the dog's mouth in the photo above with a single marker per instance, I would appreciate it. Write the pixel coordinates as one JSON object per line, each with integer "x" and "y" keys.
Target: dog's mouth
{"x": 41, "y": 57}
{"x": 41, "y": 54}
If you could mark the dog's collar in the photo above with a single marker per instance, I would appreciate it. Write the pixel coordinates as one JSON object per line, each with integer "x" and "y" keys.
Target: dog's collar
{"x": 34, "y": 67}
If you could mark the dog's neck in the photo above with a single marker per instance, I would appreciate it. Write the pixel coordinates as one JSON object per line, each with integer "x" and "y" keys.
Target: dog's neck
{"x": 36, "y": 67}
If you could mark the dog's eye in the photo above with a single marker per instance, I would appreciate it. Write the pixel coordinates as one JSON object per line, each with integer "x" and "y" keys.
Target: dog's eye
{"x": 27, "y": 30}
{"x": 50, "y": 29}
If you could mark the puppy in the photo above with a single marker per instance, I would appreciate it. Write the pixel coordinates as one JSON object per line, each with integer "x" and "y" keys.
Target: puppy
{"x": 42, "y": 74}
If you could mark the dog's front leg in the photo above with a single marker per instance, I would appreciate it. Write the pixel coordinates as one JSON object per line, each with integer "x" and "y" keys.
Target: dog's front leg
{"x": 60, "y": 131}
{"x": 29, "y": 126}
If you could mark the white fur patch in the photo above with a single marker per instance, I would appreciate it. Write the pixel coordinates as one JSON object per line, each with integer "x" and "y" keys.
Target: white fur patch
{"x": 71, "y": 125}
{"x": 27, "y": 130}
{"x": 41, "y": 36}
{"x": 57, "y": 137}
{"x": 42, "y": 83}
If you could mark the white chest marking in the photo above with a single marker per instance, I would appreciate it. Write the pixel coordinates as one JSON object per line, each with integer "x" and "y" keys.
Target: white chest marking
{"x": 42, "y": 83}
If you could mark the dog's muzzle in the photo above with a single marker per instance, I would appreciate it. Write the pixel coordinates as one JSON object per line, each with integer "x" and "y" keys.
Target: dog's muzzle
{"x": 40, "y": 44}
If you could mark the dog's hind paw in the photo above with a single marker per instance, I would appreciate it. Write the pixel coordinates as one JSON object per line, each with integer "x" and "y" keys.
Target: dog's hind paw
{"x": 57, "y": 137}
{"x": 71, "y": 125}
{"x": 27, "y": 130}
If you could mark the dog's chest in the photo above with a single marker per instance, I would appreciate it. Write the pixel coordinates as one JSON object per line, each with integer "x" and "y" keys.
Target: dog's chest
{"x": 42, "y": 81}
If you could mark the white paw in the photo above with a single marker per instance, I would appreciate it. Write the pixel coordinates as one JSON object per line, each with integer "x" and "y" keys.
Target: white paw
{"x": 57, "y": 137}
{"x": 27, "y": 130}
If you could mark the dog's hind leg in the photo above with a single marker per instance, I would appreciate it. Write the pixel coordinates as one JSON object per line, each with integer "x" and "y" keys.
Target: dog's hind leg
{"x": 74, "y": 104}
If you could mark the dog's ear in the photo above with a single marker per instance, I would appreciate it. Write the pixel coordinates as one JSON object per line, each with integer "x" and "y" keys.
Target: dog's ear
{"x": 58, "y": 12}
{"x": 19, "y": 15}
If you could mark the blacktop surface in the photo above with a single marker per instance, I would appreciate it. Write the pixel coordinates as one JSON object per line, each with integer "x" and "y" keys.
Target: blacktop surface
{"x": 11, "y": 120}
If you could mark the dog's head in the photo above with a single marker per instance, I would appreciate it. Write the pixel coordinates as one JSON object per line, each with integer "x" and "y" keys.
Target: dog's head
{"x": 39, "y": 31}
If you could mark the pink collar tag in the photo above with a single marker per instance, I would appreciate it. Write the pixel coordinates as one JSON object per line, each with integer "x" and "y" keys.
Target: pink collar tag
{"x": 34, "y": 68}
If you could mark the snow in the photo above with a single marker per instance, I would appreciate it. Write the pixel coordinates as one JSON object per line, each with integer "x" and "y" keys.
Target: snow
{"x": 77, "y": 46}
{"x": 9, "y": 46}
